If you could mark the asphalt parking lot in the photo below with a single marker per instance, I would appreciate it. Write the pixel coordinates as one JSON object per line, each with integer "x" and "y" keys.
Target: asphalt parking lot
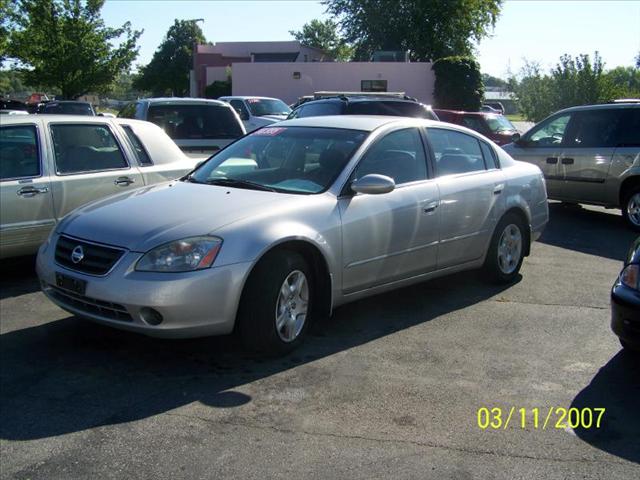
{"x": 389, "y": 387}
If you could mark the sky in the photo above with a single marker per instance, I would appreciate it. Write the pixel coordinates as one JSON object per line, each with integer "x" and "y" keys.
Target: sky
{"x": 538, "y": 30}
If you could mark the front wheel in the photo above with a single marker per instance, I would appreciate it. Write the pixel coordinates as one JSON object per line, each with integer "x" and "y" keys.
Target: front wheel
{"x": 631, "y": 208}
{"x": 506, "y": 251}
{"x": 276, "y": 305}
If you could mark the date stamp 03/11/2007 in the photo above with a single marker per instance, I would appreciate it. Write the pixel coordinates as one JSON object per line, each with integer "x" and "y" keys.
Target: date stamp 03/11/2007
{"x": 498, "y": 418}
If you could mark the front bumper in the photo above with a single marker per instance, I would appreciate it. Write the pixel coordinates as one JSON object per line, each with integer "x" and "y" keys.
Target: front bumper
{"x": 625, "y": 314}
{"x": 192, "y": 304}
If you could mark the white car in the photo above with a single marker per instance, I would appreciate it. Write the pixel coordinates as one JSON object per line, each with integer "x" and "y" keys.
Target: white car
{"x": 256, "y": 112}
{"x": 52, "y": 164}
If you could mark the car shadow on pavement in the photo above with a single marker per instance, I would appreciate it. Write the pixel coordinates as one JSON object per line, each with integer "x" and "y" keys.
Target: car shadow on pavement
{"x": 17, "y": 276}
{"x": 616, "y": 387}
{"x": 594, "y": 232}
{"x": 70, "y": 375}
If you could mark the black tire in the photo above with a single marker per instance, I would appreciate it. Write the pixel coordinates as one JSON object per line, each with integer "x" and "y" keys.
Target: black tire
{"x": 628, "y": 195}
{"x": 492, "y": 268}
{"x": 257, "y": 312}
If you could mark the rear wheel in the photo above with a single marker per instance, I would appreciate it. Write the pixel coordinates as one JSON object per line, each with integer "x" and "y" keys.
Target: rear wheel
{"x": 276, "y": 305}
{"x": 506, "y": 251}
{"x": 631, "y": 208}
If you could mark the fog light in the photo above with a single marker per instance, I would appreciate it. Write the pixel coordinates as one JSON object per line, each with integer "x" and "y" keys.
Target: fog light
{"x": 151, "y": 316}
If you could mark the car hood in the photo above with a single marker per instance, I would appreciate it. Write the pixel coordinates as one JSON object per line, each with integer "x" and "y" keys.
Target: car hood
{"x": 147, "y": 217}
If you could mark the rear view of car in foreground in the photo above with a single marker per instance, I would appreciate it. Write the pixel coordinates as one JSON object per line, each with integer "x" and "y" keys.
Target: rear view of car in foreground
{"x": 625, "y": 301}
{"x": 291, "y": 221}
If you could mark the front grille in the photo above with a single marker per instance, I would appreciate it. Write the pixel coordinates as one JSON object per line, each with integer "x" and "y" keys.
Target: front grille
{"x": 112, "y": 311}
{"x": 96, "y": 259}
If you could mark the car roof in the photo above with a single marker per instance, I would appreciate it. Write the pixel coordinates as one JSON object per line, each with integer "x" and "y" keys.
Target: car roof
{"x": 366, "y": 123}
{"x": 247, "y": 97}
{"x": 602, "y": 106}
{"x": 356, "y": 99}
{"x": 183, "y": 100}
{"x": 53, "y": 102}
{"x": 31, "y": 118}
{"x": 463, "y": 112}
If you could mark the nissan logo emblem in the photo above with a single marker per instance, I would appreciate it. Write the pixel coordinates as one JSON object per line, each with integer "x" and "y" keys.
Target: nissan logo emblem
{"x": 77, "y": 254}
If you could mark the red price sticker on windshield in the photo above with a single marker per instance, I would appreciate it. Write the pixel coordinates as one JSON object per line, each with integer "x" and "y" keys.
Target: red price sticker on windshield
{"x": 269, "y": 132}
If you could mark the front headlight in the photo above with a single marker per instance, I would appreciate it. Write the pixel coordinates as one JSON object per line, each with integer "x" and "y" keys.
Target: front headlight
{"x": 184, "y": 255}
{"x": 630, "y": 276}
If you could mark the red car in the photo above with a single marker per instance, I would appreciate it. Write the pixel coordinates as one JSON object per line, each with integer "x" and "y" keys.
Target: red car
{"x": 494, "y": 126}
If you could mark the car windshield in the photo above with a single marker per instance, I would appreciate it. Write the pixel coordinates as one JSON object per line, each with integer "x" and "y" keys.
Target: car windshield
{"x": 267, "y": 106}
{"x": 195, "y": 122}
{"x": 79, "y": 108}
{"x": 499, "y": 123}
{"x": 302, "y": 160}
{"x": 398, "y": 109}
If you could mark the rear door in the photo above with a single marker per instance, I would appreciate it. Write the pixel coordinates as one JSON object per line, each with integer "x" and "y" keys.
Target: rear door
{"x": 90, "y": 163}
{"x": 587, "y": 151}
{"x": 471, "y": 199}
{"x": 26, "y": 207}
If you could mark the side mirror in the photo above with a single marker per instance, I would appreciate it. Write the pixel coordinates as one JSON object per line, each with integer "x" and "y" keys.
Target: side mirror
{"x": 373, "y": 184}
{"x": 515, "y": 138}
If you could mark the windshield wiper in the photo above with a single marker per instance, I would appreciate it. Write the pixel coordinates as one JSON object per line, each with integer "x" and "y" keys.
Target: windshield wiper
{"x": 234, "y": 182}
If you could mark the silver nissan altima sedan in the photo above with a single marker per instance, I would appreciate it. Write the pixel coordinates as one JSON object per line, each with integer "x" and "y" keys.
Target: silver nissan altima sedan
{"x": 292, "y": 220}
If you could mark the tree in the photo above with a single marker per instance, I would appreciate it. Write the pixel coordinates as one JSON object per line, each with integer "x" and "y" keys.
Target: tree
{"x": 458, "y": 84}
{"x": 428, "y": 29}
{"x": 491, "y": 81}
{"x": 325, "y": 36}
{"x": 168, "y": 71}
{"x": 573, "y": 81}
{"x": 625, "y": 81}
{"x": 64, "y": 44}
{"x": 7, "y": 16}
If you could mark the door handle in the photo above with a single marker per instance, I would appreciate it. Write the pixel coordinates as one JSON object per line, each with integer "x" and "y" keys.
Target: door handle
{"x": 567, "y": 161}
{"x": 552, "y": 160}
{"x": 31, "y": 191}
{"x": 123, "y": 181}
{"x": 497, "y": 190}
{"x": 431, "y": 207}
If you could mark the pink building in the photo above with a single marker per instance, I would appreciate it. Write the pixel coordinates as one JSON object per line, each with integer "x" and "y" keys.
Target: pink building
{"x": 211, "y": 61}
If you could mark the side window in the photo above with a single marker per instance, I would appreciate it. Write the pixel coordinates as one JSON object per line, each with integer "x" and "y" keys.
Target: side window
{"x": 628, "y": 133}
{"x": 455, "y": 152}
{"x": 138, "y": 148}
{"x": 593, "y": 128}
{"x": 85, "y": 148}
{"x": 19, "y": 154}
{"x": 490, "y": 157}
{"x": 549, "y": 133}
{"x": 399, "y": 155}
{"x": 240, "y": 107}
{"x": 473, "y": 123}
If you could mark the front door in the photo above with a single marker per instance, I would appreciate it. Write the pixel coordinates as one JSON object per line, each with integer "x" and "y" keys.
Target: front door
{"x": 542, "y": 146}
{"x": 391, "y": 236}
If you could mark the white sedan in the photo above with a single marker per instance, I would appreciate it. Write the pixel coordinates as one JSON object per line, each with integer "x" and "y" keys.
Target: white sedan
{"x": 52, "y": 164}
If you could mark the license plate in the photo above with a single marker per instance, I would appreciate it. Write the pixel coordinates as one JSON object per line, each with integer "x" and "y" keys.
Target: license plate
{"x": 74, "y": 285}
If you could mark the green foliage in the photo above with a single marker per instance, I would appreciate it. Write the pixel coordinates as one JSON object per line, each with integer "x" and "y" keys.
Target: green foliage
{"x": 458, "y": 84}
{"x": 122, "y": 88}
{"x": 491, "y": 81}
{"x": 64, "y": 45}
{"x": 325, "y": 36}
{"x": 168, "y": 71}
{"x": 7, "y": 19}
{"x": 218, "y": 89}
{"x": 625, "y": 81}
{"x": 573, "y": 81}
{"x": 428, "y": 29}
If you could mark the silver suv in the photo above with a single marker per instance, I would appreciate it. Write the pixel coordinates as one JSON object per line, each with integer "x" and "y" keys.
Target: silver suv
{"x": 589, "y": 154}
